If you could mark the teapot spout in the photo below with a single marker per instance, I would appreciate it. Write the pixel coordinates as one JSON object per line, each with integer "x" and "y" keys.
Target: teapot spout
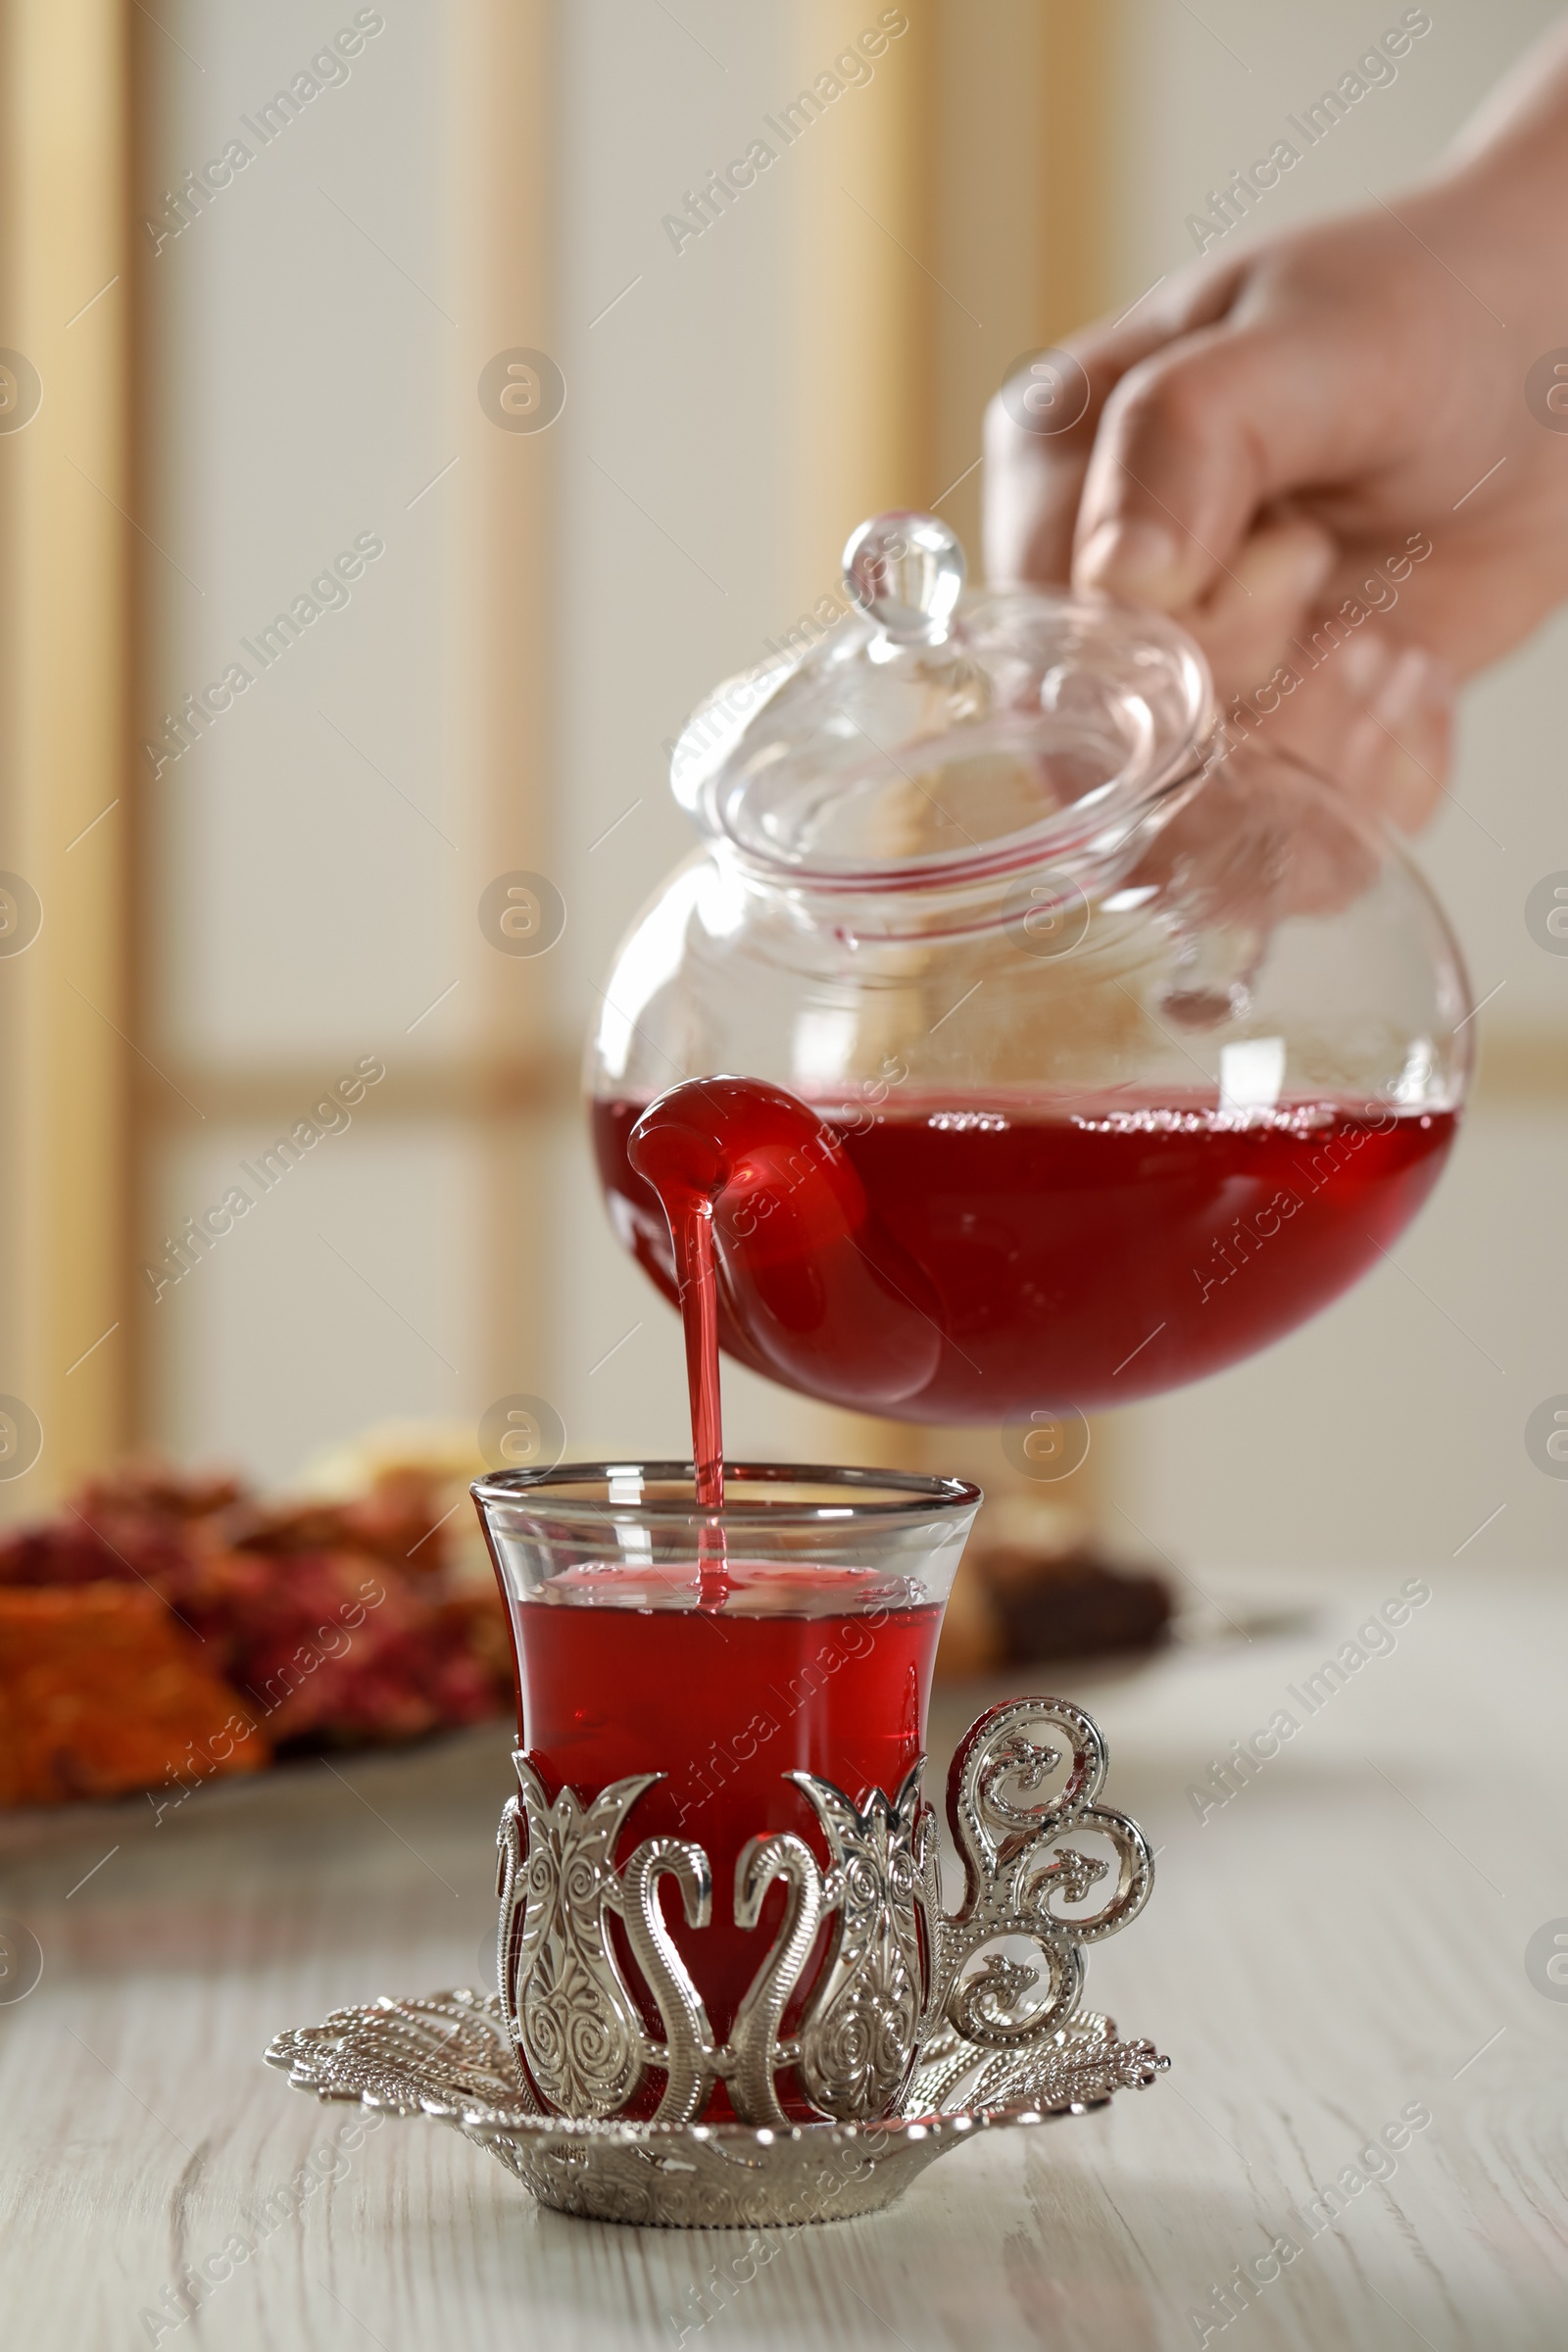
{"x": 807, "y": 1278}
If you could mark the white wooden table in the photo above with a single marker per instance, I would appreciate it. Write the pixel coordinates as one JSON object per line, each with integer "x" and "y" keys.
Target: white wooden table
{"x": 1342, "y": 1943}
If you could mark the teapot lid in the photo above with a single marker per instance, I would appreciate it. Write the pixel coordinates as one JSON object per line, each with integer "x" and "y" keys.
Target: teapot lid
{"x": 933, "y": 736}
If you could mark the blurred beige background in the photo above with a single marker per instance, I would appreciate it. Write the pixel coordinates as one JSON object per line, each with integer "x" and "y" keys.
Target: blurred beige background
{"x": 297, "y": 891}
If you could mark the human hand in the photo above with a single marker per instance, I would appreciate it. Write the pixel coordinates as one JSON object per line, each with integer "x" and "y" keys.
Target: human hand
{"x": 1331, "y": 424}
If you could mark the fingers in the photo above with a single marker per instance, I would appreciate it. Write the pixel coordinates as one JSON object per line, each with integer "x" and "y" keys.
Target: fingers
{"x": 1033, "y": 472}
{"x": 1195, "y": 440}
{"x": 1372, "y": 711}
{"x": 1397, "y": 755}
{"x": 1207, "y": 475}
{"x": 1035, "y": 464}
{"x": 1365, "y": 708}
{"x": 1373, "y": 715}
{"x": 1246, "y": 624}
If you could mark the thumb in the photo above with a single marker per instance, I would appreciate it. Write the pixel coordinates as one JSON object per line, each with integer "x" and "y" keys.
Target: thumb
{"x": 1200, "y": 437}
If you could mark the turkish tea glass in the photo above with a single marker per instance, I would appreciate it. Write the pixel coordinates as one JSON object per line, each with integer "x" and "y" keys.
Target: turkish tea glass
{"x": 718, "y": 1878}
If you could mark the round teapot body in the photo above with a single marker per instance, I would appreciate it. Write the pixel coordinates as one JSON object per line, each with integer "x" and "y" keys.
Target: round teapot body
{"x": 1132, "y": 1114}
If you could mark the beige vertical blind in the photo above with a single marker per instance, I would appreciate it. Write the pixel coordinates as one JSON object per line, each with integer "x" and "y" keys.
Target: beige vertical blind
{"x": 864, "y": 399}
{"x": 507, "y": 90}
{"x": 64, "y": 773}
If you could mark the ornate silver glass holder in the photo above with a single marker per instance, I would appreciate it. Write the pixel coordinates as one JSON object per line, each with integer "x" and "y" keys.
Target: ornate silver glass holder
{"x": 914, "y": 2037}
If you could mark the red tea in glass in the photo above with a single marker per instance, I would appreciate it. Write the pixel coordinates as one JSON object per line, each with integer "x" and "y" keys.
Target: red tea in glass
{"x": 791, "y": 1627}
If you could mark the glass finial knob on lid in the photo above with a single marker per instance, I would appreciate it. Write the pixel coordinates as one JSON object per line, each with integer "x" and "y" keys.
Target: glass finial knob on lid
{"x": 906, "y": 570}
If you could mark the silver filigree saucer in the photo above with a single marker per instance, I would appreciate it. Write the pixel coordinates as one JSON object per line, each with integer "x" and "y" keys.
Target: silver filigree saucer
{"x": 450, "y": 2057}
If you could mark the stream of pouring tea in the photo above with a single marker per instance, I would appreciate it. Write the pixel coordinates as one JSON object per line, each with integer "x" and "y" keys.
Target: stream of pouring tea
{"x": 671, "y": 1151}
{"x": 804, "y": 1263}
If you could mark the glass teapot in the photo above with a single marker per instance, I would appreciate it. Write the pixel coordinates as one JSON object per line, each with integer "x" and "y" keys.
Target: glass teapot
{"x": 1128, "y": 1042}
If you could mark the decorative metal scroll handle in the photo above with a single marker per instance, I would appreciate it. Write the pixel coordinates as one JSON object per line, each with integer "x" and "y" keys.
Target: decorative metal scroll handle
{"x": 899, "y": 1976}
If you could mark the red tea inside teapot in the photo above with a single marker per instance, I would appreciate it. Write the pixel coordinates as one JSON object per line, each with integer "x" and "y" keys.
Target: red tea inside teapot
{"x": 953, "y": 1264}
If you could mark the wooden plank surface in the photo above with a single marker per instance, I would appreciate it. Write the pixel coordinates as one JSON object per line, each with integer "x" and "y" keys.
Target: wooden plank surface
{"x": 1342, "y": 1943}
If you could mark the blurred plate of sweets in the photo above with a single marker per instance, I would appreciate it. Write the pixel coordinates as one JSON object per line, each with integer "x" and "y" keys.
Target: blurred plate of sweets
{"x": 1039, "y": 1586}
{"x": 167, "y": 1633}
{"x": 166, "y": 1630}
